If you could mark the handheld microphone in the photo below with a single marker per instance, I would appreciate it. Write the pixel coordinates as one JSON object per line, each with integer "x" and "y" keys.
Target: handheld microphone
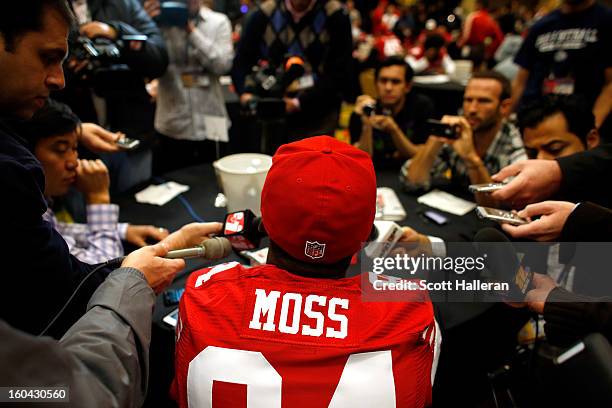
{"x": 213, "y": 248}
{"x": 294, "y": 69}
{"x": 243, "y": 229}
{"x": 502, "y": 262}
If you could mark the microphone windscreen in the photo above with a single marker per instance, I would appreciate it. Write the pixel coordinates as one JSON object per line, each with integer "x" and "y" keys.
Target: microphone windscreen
{"x": 217, "y": 247}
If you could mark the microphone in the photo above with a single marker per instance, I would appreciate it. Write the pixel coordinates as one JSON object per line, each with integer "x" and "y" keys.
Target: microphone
{"x": 213, "y": 248}
{"x": 502, "y": 262}
{"x": 294, "y": 69}
{"x": 243, "y": 229}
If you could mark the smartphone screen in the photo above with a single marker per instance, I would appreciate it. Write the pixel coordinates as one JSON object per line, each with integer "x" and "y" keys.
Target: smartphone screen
{"x": 435, "y": 217}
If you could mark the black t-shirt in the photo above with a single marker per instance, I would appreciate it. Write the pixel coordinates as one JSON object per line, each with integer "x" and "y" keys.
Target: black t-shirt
{"x": 575, "y": 45}
{"x": 411, "y": 120}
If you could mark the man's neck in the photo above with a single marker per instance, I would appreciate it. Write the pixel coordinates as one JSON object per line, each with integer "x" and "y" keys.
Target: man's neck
{"x": 280, "y": 259}
{"x": 297, "y": 15}
{"x": 575, "y": 8}
{"x": 397, "y": 108}
{"x": 484, "y": 138}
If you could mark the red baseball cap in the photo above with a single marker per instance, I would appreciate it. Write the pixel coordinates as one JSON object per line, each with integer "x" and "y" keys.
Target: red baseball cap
{"x": 319, "y": 199}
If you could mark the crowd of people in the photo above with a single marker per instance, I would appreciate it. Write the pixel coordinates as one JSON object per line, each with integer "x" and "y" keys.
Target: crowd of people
{"x": 77, "y": 76}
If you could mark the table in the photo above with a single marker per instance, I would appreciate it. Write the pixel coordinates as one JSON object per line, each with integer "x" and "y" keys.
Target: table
{"x": 201, "y": 196}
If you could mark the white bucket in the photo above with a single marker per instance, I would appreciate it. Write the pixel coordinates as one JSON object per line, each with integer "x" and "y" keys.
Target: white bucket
{"x": 241, "y": 177}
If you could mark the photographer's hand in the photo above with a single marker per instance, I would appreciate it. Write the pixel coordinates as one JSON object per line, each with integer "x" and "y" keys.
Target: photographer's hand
{"x": 464, "y": 145}
{"x": 384, "y": 123}
{"x": 363, "y": 100}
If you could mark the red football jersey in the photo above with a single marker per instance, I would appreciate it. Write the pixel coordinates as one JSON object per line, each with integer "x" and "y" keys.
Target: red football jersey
{"x": 263, "y": 337}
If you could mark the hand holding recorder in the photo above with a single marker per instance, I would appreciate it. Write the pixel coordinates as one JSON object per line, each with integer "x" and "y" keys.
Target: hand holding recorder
{"x": 553, "y": 215}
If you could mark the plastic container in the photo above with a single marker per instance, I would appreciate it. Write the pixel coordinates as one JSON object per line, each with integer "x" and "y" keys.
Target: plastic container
{"x": 241, "y": 178}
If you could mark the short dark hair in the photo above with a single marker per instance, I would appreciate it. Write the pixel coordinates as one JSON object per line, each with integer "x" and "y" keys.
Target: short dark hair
{"x": 392, "y": 61}
{"x": 580, "y": 119}
{"x": 503, "y": 81}
{"x": 53, "y": 119}
{"x": 20, "y": 17}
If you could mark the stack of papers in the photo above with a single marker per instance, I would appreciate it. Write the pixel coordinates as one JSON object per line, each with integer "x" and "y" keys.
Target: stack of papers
{"x": 446, "y": 202}
{"x": 388, "y": 205}
{"x": 160, "y": 194}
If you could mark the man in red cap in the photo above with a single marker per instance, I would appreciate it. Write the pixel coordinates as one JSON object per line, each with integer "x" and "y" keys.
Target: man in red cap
{"x": 296, "y": 331}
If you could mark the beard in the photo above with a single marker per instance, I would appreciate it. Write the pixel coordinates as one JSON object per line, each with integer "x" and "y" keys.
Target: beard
{"x": 485, "y": 124}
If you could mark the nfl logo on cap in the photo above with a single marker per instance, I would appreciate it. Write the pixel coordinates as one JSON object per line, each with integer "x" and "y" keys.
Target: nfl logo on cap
{"x": 314, "y": 250}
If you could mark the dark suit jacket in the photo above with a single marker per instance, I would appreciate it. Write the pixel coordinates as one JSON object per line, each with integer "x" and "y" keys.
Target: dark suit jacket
{"x": 587, "y": 176}
{"x": 588, "y": 223}
{"x": 569, "y": 317}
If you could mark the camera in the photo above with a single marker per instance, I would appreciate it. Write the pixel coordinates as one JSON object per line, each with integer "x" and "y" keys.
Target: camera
{"x": 369, "y": 109}
{"x": 105, "y": 70}
{"x": 437, "y": 128}
{"x": 269, "y": 85}
{"x": 372, "y": 109}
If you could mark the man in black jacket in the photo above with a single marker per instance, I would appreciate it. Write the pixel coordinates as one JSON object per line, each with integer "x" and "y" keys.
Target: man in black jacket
{"x": 30, "y": 67}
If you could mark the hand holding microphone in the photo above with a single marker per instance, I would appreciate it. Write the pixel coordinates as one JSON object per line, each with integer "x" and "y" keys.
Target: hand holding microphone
{"x": 192, "y": 235}
{"x": 212, "y": 248}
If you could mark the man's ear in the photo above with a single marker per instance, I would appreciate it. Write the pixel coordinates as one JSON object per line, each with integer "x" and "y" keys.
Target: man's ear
{"x": 593, "y": 139}
{"x": 505, "y": 107}
{"x": 408, "y": 87}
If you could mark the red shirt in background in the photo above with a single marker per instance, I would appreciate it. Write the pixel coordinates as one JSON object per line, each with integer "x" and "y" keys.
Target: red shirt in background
{"x": 481, "y": 26}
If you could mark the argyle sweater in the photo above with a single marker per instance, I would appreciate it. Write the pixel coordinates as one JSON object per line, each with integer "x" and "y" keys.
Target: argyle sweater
{"x": 322, "y": 38}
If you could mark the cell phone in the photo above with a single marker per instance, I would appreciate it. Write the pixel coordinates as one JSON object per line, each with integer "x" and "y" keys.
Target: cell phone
{"x": 436, "y": 217}
{"x": 486, "y": 187}
{"x": 173, "y": 296}
{"x": 374, "y": 109}
{"x": 437, "y": 128}
{"x": 171, "y": 318}
{"x": 127, "y": 143}
{"x": 500, "y": 216}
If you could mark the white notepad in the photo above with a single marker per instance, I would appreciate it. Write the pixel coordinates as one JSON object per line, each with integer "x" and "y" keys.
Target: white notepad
{"x": 446, "y": 202}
